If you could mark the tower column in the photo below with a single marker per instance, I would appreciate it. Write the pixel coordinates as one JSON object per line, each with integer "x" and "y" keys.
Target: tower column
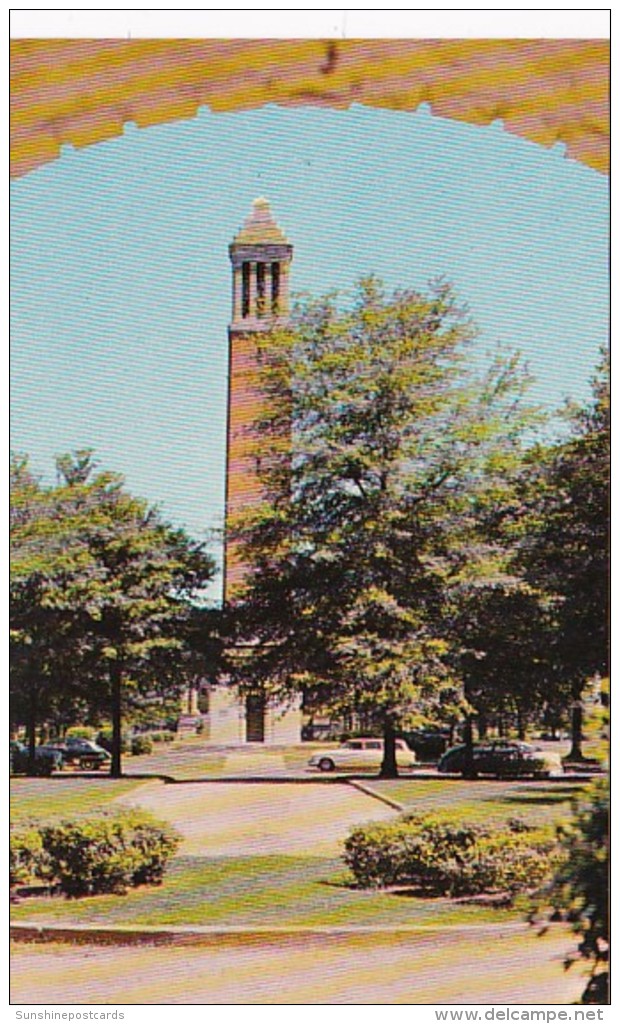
{"x": 252, "y": 290}
{"x": 283, "y": 301}
{"x": 237, "y": 292}
{"x": 267, "y": 292}
{"x": 260, "y": 255}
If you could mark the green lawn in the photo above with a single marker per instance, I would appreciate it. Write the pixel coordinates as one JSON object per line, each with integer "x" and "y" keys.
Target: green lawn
{"x": 296, "y": 891}
{"x": 280, "y": 890}
{"x": 296, "y": 758}
{"x": 480, "y": 800}
{"x": 64, "y": 795}
{"x": 191, "y": 758}
{"x": 184, "y": 759}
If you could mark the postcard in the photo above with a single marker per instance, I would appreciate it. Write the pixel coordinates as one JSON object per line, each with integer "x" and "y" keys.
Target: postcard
{"x": 309, "y": 519}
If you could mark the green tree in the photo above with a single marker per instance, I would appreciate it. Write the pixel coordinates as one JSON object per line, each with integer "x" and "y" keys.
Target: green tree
{"x": 103, "y": 585}
{"x": 379, "y": 446}
{"x": 43, "y": 647}
{"x": 579, "y": 890}
{"x": 565, "y": 545}
{"x": 506, "y": 654}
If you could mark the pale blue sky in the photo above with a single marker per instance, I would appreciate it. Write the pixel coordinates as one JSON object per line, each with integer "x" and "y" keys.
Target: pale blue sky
{"x": 121, "y": 280}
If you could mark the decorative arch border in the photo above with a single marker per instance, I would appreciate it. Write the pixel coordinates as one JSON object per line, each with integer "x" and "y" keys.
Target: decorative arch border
{"x": 81, "y": 91}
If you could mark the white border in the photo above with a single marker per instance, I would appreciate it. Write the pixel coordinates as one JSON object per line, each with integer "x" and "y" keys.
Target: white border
{"x": 448, "y": 23}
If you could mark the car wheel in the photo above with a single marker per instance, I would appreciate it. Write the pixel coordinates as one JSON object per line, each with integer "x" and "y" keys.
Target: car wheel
{"x": 326, "y": 764}
{"x": 89, "y": 766}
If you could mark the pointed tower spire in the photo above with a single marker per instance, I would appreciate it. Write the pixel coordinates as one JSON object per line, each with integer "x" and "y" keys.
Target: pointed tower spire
{"x": 260, "y": 228}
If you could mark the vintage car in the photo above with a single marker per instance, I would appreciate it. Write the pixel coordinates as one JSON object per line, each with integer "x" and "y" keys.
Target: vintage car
{"x": 83, "y": 753}
{"x": 503, "y": 759}
{"x": 45, "y": 760}
{"x": 360, "y": 753}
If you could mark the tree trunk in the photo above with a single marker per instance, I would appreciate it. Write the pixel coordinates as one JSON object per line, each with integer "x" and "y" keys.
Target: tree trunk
{"x": 483, "y": 726}
{"x": 469, "y": 771}
{"x": 31, "y": 728}
{"x": 576, "y": 717}
{"x": 521, "y": 719}
{"x": 389, "y": 767}
{"x": 116, "y": 679}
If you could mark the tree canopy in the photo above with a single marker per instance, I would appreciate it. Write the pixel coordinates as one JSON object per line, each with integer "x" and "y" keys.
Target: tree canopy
{"x": 379, "y": 449}
{"x": 579, "y": 889}
{"x": 101, "y": 593}
{"x": 566, "y": 546}
{"x": 561, "y": 536}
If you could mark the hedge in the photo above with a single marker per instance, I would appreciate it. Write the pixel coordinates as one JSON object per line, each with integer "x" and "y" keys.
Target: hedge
{"x": 443, "y": 858}
{"x": 162, "y": 737}
{"x": 107, "y": 853}
{"x": 104, "y": 739}
{"x": 141, "y": 745}
{"x": 81, "y": 732}
{"x": 28, "y": 861}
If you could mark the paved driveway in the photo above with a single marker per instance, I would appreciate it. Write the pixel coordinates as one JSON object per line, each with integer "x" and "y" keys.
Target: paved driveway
{"x": 231, "y": 819}
{"x": 447, "y": 966}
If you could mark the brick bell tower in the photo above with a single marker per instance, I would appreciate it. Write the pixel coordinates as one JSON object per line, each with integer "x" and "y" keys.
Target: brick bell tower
{"x": 261, "y": 257}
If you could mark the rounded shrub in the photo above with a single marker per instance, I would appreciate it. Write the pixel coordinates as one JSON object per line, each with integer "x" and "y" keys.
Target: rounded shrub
{"x": 155, "y": 843}
{"x": 141, "y": 745}
{"x": 503, "y": 862}
{"x": 89, "y": 857}
{"x": 28, "y": 860}
{"x": 108, "y": 853}
{"x": 443, "y": 858}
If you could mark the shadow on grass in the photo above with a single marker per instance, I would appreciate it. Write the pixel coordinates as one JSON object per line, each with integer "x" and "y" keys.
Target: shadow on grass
{"x": 68, "y": 777}
{"x": 418, "y": 892}
{"x": 495, "y": 900}
{"x": 531, "y": 801}
{"x": 346, "y": 882}
{"x": 546, "y": 798}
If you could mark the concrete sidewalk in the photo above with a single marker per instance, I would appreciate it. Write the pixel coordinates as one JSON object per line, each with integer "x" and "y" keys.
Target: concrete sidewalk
{"x": 219, "y": 819}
